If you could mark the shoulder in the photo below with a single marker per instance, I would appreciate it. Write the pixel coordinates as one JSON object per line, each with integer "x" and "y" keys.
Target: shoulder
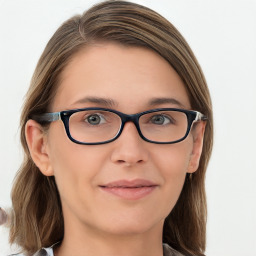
{"x": 169, "y": 251}
{"x": 42, "y": 252}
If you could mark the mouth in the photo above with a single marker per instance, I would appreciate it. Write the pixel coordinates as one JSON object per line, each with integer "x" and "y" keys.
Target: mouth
{"x": 130, "y": 190}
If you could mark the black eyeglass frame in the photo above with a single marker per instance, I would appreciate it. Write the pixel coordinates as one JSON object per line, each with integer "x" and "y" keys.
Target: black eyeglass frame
{"x": 64, "y": 116}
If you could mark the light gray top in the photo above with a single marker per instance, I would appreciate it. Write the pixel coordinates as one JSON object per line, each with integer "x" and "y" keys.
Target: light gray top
{"x": 168, "y": 251}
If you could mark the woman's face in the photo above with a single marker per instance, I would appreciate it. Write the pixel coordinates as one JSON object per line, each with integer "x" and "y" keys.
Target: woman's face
{"x": 97, "y": 182}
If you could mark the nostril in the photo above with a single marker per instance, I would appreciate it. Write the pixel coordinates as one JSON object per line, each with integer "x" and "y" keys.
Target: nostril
{"x": 129, "y": 163}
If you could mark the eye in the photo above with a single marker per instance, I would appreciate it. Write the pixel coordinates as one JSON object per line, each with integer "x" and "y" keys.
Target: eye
{"x": 95, "y": 119}
{"x": 161, "y": 120}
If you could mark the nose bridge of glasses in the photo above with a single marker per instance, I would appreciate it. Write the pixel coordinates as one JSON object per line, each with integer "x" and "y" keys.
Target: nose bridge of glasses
{"x": 131, "y": 118}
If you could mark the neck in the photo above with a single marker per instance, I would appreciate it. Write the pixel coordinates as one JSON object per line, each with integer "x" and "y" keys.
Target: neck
{"x": 83, "y": 240}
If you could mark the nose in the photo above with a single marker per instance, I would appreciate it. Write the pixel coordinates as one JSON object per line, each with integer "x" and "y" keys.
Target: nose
{"x": 130, "y": 148}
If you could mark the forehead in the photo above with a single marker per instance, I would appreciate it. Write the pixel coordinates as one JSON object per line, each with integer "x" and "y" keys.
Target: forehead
{"x": 128, "y": 76}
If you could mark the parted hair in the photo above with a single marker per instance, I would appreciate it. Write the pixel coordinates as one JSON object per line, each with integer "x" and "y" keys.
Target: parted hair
{"x": 37, "y": 219}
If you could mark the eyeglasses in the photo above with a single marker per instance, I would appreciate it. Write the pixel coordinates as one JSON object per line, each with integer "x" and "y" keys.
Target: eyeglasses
{"x": 93, "y": 126}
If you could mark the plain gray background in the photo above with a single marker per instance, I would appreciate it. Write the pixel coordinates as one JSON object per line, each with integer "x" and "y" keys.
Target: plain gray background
{"x": 222, "y": 34}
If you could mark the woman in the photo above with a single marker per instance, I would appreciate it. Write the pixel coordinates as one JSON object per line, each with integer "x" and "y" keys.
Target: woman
{"x": 117, "y": 133}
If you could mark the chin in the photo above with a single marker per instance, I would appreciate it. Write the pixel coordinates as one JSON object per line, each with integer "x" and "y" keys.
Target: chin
{"x": 132, "y": 226}
{"x": 128, "y": 230}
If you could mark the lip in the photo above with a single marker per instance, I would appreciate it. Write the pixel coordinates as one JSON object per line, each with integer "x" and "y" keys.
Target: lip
{"x": 130, "y": 189}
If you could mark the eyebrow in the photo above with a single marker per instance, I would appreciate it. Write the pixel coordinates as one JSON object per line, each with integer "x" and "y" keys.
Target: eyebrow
{"x": 97, "y": 100}
{"x": 160, "y": 101}
{"x": 112, "y": 103}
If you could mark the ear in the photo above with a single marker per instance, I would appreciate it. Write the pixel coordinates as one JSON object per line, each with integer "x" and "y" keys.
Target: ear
{"x": 37, "y": 144}
{"x": 198, "y": 139}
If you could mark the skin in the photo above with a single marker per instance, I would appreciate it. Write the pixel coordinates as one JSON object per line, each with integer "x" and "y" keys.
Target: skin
{"x": 98, "y": 223}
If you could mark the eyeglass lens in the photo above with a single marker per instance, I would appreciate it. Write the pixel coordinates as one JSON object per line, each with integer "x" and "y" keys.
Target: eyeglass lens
{"x": 94, "y": 126}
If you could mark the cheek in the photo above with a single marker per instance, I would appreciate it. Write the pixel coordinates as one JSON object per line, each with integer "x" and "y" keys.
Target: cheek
{"x": 73, "y": 165}
{"x": 172, "y": 161}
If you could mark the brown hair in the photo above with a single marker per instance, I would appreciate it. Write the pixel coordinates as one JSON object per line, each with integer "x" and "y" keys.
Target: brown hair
{"x": 37, "y": 219}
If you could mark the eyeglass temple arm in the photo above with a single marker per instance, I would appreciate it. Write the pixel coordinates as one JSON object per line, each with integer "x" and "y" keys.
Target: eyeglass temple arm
{"x": 48, "y": 117}
{"x": 200, "y": 117}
